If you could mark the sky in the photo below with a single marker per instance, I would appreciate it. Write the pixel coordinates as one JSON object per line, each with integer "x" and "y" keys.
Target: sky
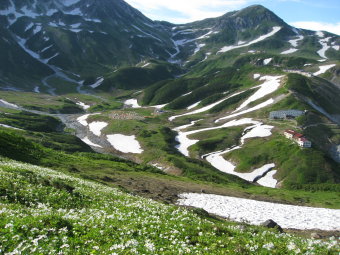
{"x": 308, "y": 14}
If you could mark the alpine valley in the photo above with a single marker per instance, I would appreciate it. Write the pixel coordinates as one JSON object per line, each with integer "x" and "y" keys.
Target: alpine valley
{"x": 164, "y": 138}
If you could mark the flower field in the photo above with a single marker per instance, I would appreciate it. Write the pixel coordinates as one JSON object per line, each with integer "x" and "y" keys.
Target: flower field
{"x": 43, "y": 211}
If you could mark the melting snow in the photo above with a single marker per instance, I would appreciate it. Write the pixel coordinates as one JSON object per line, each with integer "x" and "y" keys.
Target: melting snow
{"x": 7, "y": 126}
{"x": 256, "y": 212}
{"x": 336, "y": 47}
{"x": 294, "y": 42}
{"x": 46, "y": 48}
{"x": 37, "y": 29}
{"x": 75, "y": 30}
{"x": 96, "y": 127}
{"x": 146, "y": 33}
{"x": 75, "y": 11}
{"x": 325, "y": 47}
{"x": 320, "y": 34}
{"x": 323, "y": 69}
{"x": 83, "y": 105}
{"x": 185, "y": 142}
{"x": 83, "y": 119}
{"x": 87, "y": 141}
{"x": 77, "y": 25}
{"x": 70, "y": 2}
{"x": 267, "y": 61}
{"x": 199, "y": 47}
{"x": 48, "y": 59}
{"x": 217, "y": 160}
{"x": 291, "y": 50}
{"x": 271, "y": 84}
{"x": 259, "y": 106}
{"x": 205, "y": 108}
{"x": 261, "y": 38}
{"x": 97, "y": 83}
{"x": 256, "y": 76}
{"x": 132, "y": 103}
{"x": 93, "y": 20}
{"x": 147, "y": 64}
{"x": 193, "y": 105}
{"x": 50, "y": 12}
{"x": 29, "y": 27}
{"x": 8, "y": 104}
{"x": 268, "y": 180}
{"x": 125, "y": 144}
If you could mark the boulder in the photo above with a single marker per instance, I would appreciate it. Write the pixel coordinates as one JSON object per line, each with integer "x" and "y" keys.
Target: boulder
{"x": 315, "y": 236}
{"x": 272, "y": 224}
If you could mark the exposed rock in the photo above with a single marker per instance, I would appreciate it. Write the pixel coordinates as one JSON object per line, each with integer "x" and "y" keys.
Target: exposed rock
{"x": 315, "y": 236}
{"x": 272, "y": 224}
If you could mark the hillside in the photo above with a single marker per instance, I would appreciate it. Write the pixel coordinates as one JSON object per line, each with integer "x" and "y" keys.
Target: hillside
{"x": 62, "y": 213}
{"x": 142, "y": 121}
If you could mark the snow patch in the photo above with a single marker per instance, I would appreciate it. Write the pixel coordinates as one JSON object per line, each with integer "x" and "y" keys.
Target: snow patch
{"x": 256, "y": 212}
{"x": 336, "y": 47}
{"x": 270, "y": 85}
{"x": 37, "y": 29}
{"x": 93, "y": 20}
{"x": 96, "y": 127}
{"x": 261, "y": 38}
{"x": 83, "y": 119}
{"x": 36, "y": 89}
{"x": 323, "y": 69}
{"x": 325, "y": 47}
{"x": 291, "y": 50}
{"x": 268, "y": 180}
{"x": 7, "y": 126}
{"x": 125, "y": 144}
{"x": 70, "y": 2}
{"x": 193, "y": 105}
{"x": 320, "y": 34}
{"x": 257, "y": 107}
{"x": 97, "y": 83}
{"x": 205, "y": 108}
{"x": 83, "y": 105}
{"x": 132, "y": 103}
{"x": 87, "y": 141}
{"x": 199, "y": 47}
{"x": 294, "y": 42}
{"x": 256, "y": 76}
{"x": 8, "y": 104}
{"x": 267, "y": 61}
{"x": 145, "y": 65}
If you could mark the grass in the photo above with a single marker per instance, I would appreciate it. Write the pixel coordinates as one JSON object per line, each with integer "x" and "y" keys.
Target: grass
{"x": 31, "y": 121}
{"x": 41, "y": 102}
{"x": 215, "y": 140}
{"x": 60, "y": 213}
{"x": 285, "y": 154}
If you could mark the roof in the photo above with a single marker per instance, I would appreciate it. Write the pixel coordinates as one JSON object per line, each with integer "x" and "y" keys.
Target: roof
{"x": 289, "y": 131}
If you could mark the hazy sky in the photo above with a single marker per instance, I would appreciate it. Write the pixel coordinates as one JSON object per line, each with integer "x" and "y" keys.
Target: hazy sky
{"x": 309, "y": 14}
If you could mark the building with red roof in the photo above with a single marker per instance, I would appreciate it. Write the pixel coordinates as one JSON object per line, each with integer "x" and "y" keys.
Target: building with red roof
{"x": 298, "y": 138}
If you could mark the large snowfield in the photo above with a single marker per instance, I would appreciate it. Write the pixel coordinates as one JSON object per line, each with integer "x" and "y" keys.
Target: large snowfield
{"x": 257, "y": 212}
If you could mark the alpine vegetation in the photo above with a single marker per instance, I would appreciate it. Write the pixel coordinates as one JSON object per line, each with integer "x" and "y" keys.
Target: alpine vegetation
{"x": 48, "y": 212}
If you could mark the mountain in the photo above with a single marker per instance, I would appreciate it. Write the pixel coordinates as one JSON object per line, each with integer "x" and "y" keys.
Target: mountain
{"x": 122, "y": 107}
{"x": 46, "y": 44}
{"x": 81, "y": 37}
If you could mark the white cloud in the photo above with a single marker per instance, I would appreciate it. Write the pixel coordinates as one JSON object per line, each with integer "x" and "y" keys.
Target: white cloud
{"x": 317, "y": 26}
{"x": 186, "y": 10}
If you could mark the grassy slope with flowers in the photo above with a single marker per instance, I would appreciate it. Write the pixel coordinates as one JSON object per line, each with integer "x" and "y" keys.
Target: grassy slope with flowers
{"x": 47, "y": 212}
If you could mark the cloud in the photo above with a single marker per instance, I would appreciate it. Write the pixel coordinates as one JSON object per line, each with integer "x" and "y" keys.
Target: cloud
{"x": 317, "y": 26}
{"x": 181, "y": 11}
